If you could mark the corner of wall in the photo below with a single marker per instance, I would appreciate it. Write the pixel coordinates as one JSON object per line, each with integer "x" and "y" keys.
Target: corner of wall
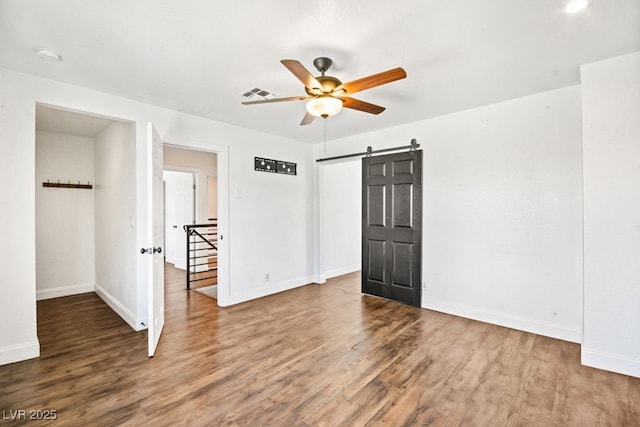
{"x": 119, "y": 308}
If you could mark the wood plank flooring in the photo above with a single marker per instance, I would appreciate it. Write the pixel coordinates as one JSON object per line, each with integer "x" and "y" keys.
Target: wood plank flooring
{"x": 320, "y": 355}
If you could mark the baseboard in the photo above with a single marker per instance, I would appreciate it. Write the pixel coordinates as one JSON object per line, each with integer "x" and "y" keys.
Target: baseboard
{"x": 119, "y": 308}
{"x": 342, "y": 270}
{"x": 611, "y": 362}
{"x": 20, "y": 352}
{"x": 263, "y": 292}
{"x": 64, "y": 291}
{"x": 546, "y": 329}
{"x": 319, "y": 279}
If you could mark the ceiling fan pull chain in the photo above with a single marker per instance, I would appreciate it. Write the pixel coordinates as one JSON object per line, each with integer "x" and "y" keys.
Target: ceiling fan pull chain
{"x": 325, "y": 135}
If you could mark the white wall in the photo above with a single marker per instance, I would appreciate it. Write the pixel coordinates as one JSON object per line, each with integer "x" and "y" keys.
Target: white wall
{"x": 193, "y": 159}
{"x": 64, "y": 217}
{"x": 502, "y": 227}
{"x": 269, "y": 226}
{"x": 273, "y": 212}
{"x": 341, "y": 216}
{"x": 611, "y": 126}
{"x": 115, "y": 201}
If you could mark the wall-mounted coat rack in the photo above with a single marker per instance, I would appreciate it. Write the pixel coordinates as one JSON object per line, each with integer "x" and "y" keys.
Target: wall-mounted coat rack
{"x": 59, "y": 184}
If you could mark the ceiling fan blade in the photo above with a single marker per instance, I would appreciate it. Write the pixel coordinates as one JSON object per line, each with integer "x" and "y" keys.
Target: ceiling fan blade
{"x": 266, "y": 101}
{"x": 372, "y": 81}
{"x": 307, "y": 119}
{"x": 302, "y": 74}
{"x": 356, "y": 104}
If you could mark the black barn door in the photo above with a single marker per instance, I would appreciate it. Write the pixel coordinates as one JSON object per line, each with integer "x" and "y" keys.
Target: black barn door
{"x": 392, "y": 226}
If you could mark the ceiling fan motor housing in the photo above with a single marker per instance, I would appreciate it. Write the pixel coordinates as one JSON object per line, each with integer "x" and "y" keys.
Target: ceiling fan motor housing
{"x": 328, "y": 83}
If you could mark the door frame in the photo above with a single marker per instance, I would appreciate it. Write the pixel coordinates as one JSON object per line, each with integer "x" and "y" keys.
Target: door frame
{"x": 222, "y": 173}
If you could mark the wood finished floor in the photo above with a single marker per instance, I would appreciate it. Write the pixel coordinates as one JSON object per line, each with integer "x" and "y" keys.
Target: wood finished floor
{"x": 313, "y": 356}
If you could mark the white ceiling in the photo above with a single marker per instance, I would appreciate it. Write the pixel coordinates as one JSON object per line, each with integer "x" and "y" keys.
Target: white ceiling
{"x": 199, "y": 56}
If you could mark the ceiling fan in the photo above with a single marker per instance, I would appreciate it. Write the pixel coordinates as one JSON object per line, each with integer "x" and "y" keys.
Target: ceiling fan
{"x": 327, "y": 95}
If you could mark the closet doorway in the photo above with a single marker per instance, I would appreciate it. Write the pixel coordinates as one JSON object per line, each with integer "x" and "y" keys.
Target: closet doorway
{"x": 85, "y": 227}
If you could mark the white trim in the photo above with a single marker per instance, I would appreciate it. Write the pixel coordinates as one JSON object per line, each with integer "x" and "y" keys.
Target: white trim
{"x": 20, "y": 352}
{"x": 546, "y": 329}
{"x": 611, "y": 362}
{"x": 342, "y": 270}
{"x": 320, "y": 240}
{"x": 262, "y": 292}
{"x": 120, "y": 309}
{"x": 64, "y": 291}
{"x": 185, "y": 169}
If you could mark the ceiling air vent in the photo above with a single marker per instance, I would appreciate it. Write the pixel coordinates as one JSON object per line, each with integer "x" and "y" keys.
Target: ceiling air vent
{"x": 257, "y": 93}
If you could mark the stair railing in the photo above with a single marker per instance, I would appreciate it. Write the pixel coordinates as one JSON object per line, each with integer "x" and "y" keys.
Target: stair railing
{"x": 202, "y": 252}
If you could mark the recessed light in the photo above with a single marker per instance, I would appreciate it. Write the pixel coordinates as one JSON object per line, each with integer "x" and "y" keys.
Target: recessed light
{"x": 48, "y": 54}
{"x": 575, "y": 6}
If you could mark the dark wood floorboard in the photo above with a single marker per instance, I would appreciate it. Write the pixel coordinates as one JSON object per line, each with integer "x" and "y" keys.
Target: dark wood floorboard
{"x": 320, "y": 355}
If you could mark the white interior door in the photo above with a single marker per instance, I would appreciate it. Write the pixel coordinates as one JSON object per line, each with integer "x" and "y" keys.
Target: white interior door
{"x": 155, "y": 221}
{"x": 180, "y": 210}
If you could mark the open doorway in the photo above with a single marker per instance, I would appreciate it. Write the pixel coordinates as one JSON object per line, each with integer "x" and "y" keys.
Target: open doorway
{"x": 340, "y": 217}
{"x": 85, "y": 208}
{"x": 192, "y": 219}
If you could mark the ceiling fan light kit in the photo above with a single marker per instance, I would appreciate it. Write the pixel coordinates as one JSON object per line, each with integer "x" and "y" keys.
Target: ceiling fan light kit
{"x": 326, "y": 95}
{"x": 324, "y": 106}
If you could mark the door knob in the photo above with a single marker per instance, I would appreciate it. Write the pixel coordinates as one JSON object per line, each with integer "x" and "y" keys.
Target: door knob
{"x": 151, "y": 251}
